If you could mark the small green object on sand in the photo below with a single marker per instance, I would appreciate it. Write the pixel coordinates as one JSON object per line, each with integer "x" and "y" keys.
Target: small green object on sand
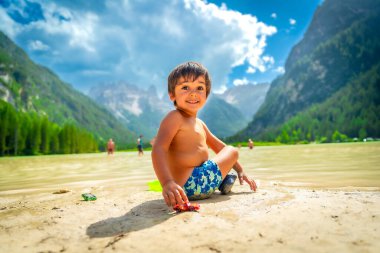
{"x": 155, "y": 186}
{"x": 88, "y": 197}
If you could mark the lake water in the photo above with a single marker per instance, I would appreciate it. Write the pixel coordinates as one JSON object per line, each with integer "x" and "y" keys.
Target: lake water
{"x": 316, "y": 165}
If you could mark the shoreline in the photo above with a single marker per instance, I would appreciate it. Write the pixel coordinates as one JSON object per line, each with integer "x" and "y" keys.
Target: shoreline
{"x": 121, "y": 182}
{"x": 234, "y": 144}
{"x": 51, "y": 190}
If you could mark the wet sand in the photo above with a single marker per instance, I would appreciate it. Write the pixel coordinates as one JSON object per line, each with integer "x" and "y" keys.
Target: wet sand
{"x": 282, "y": 216}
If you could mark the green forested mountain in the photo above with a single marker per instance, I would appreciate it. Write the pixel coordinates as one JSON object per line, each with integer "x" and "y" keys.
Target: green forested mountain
{"x": 222, "y": 118}
{"x": 29, "y": 87}
{"x": 330, "y": 19}
{"x": 331, "y": 84}
{"x": 27, "y": 133}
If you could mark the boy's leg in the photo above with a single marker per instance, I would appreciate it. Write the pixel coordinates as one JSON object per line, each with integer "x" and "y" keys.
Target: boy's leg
{"x": 225, "y": 159}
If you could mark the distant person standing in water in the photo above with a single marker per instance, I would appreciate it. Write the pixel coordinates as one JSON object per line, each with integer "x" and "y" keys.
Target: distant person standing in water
{"x": 139, "y": 145}
{"x": 110, "y": 147}
{"x": 250, "y": 144}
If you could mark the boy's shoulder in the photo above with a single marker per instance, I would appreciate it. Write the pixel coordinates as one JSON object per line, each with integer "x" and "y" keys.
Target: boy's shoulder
{"x": 201, "y": 122}
{"x": 174, "y": 114}
{"x": 172, "y": 117}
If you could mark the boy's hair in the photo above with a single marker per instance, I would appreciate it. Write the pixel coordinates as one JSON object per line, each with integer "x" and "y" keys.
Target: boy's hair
{"x": 189, "y": 71}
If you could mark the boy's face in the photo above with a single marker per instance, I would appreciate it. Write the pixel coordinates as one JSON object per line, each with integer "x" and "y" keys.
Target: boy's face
{"x": 190, "y": 95}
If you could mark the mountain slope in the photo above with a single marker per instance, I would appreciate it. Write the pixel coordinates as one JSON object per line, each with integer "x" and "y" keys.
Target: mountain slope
{"x": 142, "y": 111}
{"x": 138, "y": 109}
{"x": 352, "y": 111}
{"x": 222, "y": 118}
{"x": 247, "y": 98}
{"x": 314, "y": 74}
{"x": 31, "y": 87}
{"x": 329, "y": 19}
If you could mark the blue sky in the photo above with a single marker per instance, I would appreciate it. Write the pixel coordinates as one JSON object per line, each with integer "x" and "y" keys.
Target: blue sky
{"x": 92, "y": 42}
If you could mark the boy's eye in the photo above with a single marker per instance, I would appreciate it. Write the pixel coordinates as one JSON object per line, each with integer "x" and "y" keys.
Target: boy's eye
{"x": 201, "y": 88}
{"x": 185, "y": 87}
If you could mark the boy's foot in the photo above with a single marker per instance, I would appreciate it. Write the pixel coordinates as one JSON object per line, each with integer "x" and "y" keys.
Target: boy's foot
{"x": 227, "y": 183}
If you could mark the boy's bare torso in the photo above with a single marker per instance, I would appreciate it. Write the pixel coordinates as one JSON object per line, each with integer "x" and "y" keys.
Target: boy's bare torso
{"x": 188, "y": 149}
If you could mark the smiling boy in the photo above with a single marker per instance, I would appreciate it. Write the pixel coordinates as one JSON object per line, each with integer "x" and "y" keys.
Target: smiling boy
{"x": 180, "y": 154}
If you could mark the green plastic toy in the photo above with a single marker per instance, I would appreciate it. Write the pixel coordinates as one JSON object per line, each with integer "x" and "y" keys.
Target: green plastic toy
{"x": 155, "y": 186}
{"x": 88, "y": 197}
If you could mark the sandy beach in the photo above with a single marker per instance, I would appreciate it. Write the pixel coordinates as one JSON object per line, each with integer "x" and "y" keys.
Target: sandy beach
{"x": 276, "y": 218}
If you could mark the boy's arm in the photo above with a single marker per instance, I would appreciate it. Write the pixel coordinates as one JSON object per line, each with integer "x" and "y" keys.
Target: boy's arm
{"x": 171, "y": 191}
{"x": 243, "y": 177}
{"x": 217, "y": 145}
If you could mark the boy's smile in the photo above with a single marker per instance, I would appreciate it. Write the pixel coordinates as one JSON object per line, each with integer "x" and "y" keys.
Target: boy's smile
{"x": 190, "y": 95}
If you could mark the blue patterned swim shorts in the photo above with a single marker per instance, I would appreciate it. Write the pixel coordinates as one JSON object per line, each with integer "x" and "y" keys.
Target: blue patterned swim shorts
{"x": 204, "y": 180}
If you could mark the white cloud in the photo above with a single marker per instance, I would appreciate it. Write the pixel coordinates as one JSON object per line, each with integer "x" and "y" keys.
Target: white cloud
{"x": 266, "y": 62}
{"x": 37, "y": 45}
{"x": 7, "y": 25}
{"x": 292, "y": 21}
{"x": 220, "y": 89}
{"x": 280, "y": 70}
{"x": 223, "y": 7}
{"x": 268, "y": 59}
{"x": 251, "y": 70}
{"x": 141, "y": 41}
{"x": 77, "y": 27}
{"x": 243, "y": 81}
{"x": 273, "y": 15}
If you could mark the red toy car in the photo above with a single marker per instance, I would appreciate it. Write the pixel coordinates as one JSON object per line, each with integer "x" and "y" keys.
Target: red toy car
{"x": 187, "y": 207}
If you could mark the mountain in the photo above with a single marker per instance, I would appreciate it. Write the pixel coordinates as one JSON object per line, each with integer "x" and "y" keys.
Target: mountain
{"x": 140, "y": 110}
{"x": 247, "y": 98}
{"x": 330, "y": 19}
{"x": 222, "y": 118}
{"x": 30, "y": 87}
{"x": 315, "y": 97}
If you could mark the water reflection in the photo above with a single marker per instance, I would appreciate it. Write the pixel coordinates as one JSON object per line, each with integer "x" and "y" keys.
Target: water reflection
{"x": 327, "y": 165}
{"x": 319, "y": 165}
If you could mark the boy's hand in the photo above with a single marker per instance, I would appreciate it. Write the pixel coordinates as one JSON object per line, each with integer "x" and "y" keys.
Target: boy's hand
{"x": 243, "y": 177}
{"x": 173, "y": 194}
